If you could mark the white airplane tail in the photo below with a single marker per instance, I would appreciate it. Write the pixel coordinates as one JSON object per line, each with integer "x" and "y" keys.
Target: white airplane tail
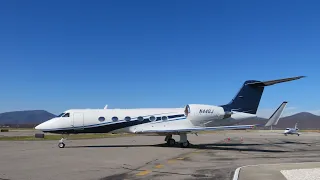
{"x": 274, "y": 118}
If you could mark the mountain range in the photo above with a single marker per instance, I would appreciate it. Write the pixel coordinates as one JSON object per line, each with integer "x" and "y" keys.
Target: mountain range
{"x": 33, "y": 117}
{"x": 28, "y": 118}
{"x": 305, "y": 120}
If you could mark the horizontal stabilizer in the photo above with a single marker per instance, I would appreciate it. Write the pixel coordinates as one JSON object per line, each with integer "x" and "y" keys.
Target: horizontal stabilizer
{"x": 272, "y": 82}
{"x": 273, "y": 120}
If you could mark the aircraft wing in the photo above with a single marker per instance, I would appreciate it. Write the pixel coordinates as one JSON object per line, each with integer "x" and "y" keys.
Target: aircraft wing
{"x": 272, "y": 121}
{"x": 198, "y": 129}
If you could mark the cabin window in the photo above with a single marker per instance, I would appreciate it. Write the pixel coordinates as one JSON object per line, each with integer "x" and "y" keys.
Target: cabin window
{"x": 152, "y": 118}
{"x": 127, "y": 118}
{"x": 164, "y": 118}
{"x": 114, "y": 119}
{"x": 66, "y": 115}
{"x": 140, "y": 118}
{"x": 101, "y": 119}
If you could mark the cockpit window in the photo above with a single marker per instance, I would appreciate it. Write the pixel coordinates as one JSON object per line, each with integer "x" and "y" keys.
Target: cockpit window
{"x": 61, "y": 115}
{"x": 66, "y": 115}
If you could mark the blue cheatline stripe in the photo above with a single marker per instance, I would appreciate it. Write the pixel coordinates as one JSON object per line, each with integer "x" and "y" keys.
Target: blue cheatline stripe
{"x": 97, "y": 125}
{"x": 170, "y": 118}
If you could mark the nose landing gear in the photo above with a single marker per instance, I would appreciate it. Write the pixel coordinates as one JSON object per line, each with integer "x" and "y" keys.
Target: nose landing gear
{"x": 61, "y": 143}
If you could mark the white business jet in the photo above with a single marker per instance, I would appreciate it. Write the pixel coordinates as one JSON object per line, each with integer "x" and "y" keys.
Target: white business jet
{"x": 292, "y": 130}
{"x": 164, "y": 121}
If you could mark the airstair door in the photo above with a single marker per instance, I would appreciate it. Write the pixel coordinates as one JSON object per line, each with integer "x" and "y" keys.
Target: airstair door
{"x": 78, "y": 121}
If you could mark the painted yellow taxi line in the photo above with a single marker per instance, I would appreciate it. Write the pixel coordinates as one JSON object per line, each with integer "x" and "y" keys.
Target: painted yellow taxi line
{"x": 143, "y": 173}
{"x": 159, "y": 166}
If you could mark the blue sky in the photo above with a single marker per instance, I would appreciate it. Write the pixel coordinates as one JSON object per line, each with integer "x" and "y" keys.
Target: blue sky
{"x": 84, "y": 54}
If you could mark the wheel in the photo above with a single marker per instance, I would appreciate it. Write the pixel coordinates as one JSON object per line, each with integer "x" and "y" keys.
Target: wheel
{"x": 285, "y": 134}
{"x": 298, "y": 134}
{"x": 171, "y": 142}
{"x": 185, "y": 144}
{"x": 61, "y": 145}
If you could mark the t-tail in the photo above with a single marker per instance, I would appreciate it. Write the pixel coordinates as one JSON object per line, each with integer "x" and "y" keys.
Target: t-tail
{"x": 248, "y": 98}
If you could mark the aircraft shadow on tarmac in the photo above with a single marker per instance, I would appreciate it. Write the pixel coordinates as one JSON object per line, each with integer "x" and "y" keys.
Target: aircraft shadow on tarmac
{"x": 213, "y": 146}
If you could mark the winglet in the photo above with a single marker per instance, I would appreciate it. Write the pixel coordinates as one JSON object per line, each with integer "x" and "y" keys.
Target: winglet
{"x": 273, "y": 120}
{"x": 105, "y": 107}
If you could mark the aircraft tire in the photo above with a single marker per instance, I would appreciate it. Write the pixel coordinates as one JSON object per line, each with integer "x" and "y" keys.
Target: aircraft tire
{"x": 61, "y": 145}
{"x": 171, "y": 142}
{"x": 185, "y": 144}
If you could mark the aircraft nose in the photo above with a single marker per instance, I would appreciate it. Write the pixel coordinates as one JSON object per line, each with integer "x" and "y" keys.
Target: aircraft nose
{"x": 42, "y": 126}
{"x": 39, "y": 127}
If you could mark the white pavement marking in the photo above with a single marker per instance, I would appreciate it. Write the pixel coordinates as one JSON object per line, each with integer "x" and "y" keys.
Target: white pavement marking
{"x": 302, "y": 174}
{"x": 237, "y": 171}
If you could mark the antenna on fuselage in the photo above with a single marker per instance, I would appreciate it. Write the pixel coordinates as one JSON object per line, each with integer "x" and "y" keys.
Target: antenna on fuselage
{"x": 106, "y": 106}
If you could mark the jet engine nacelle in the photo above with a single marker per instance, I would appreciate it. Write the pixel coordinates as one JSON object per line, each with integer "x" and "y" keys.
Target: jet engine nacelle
{"x": 200, "y": 114}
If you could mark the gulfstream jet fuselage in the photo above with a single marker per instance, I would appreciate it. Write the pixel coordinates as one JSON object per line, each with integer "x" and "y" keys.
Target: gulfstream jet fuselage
{"x": 126, "y": 120}
{"x": 165, "y": 121}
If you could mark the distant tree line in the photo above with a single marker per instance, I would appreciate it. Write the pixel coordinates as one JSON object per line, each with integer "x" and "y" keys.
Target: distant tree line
{"x": 19, "y": 125}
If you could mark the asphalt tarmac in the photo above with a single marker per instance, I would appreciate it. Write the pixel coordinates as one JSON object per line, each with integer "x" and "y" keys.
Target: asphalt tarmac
{"x": 212, "y": 156}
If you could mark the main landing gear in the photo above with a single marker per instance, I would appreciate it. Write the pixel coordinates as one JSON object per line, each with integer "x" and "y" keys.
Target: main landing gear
{"x": 61, "y": 143}
{"x": 184, "y": 143}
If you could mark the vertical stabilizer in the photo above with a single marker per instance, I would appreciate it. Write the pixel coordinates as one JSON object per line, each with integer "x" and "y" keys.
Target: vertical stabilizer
{"x": 248, "y": 98}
